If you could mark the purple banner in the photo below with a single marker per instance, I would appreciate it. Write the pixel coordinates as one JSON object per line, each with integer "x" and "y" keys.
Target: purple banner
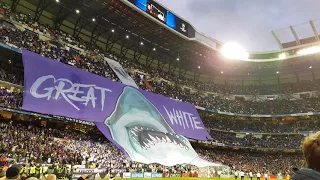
{"x": 52, "y": 87}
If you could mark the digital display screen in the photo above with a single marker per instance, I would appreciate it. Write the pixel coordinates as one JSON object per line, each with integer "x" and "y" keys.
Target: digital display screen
{"x": 161, "y": 14}
{"x": 171, "y": 20}
{"x": 156, "y": 11}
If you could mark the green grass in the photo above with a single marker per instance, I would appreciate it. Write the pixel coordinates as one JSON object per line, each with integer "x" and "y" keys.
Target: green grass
{"x": 191, "y": 178}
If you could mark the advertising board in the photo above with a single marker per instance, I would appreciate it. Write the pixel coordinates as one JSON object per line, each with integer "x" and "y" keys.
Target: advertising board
{"x": 137, "y": 175}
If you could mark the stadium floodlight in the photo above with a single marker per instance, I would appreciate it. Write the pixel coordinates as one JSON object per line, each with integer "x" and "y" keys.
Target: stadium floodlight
{"x": 310, "y": 67}
{"x": 141, "y": 43}
{"x": 310, "y": 50}
{"x": 221, "y": 72}
{"x": 278, "y": 72}
{"x": 112, "y": 30}
{"x": 154, "y": 49}
{"x": 178, "y": 59}
{"x": 198, "y": 67}
{"x": 282, "y": 56}
{"x": 57, "y": 1}
{"x": 77, "y": 11}
{"x": 234, "y": 51}
{"x": 93, "y": 19}
{"x": 127, "y": 36}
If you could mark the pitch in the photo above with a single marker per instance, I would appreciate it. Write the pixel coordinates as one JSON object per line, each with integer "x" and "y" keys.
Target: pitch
{"x": 191, "y": 178}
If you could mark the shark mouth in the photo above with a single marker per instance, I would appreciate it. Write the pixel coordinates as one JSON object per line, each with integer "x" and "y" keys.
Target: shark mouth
{"x": 147, "y": 137}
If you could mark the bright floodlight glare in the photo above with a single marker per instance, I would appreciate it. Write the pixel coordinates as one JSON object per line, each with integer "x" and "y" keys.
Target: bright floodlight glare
{"x": 198, "y": 67}
{"x": 282, "y": 56}
{"x": 178, "y": 59}
{"x": 93, "y": 19}
{"x": 221, "y": 72}
{"x": 127, "y": 36}
{"x": 57, "y": 1}
{"x": 234, "y": 51}
{"x": 310, "y": 67}
{"x": 154, "y": 49}
{"x": 277, "y": 72}
{"x": 77, "y": 11}
{"x": 141, "y": 43}
{"x": 310, "y": 50}
{"x": 112, "y": 30}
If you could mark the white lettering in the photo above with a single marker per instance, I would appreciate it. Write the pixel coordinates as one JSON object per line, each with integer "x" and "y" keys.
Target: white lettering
{"x": 90, "y": 96}
{"x": 172, "y": 117}
{"x": 196, "y": 123}
{"x": 36, "y": 85}
{"x": 185, "y": 119}
{"x": 81, "y": 93}
{"x": 181, "y": 118}
{"x": 103, "y": 95}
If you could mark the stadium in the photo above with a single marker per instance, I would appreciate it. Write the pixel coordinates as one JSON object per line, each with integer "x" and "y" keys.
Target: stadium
{"x": 128, "y": 89}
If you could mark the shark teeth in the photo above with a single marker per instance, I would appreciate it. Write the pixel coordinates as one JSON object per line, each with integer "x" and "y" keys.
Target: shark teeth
{"x": 153, "y": 139}
{"x": 164, "y": 139}
{"x": 133, "y": 132}
{"x": 175, "y": 142}
{"x": 147, "y": 137}
{"x": 146, "y": 145}
{"x": 158, "y": 139}
{"x": 151, "y": 142}
{"x": 168, "y": 139}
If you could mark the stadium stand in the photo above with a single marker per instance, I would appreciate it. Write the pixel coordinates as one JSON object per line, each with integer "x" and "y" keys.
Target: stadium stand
{"x": 47, "y": 144}
{"x": 21, "y": 140}
{"x": 92, "y": 62}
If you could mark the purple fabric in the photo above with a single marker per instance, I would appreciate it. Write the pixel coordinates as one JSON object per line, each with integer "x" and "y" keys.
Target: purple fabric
{"x": 52, "y": 87}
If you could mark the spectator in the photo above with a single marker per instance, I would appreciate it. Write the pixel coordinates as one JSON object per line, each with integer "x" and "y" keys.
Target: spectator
{"x": 311, "y": 151}
{"x": 13, "y": 173}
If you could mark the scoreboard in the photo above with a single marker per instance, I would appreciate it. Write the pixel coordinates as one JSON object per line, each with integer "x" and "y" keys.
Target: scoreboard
{"x": 165, "y": 16}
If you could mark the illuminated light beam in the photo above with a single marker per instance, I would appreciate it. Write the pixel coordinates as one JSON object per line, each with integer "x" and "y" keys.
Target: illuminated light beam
{"x": 282, "y": 56}
{"x": 311, "y": 50}
{"x": 234, "y": 51}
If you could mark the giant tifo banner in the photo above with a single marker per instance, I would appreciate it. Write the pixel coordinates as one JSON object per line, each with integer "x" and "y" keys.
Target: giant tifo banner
{"x": 150, "y": 128}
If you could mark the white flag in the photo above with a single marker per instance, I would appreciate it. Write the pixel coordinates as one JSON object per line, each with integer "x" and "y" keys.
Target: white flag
{"x": 124, "y": 77}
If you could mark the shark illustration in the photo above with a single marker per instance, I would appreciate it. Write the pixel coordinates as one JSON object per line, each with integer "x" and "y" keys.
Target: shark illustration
{"x": 140, "y": 129}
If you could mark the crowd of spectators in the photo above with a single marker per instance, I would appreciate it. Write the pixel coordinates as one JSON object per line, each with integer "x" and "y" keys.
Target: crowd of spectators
{"x": 42, "y": 144}
{"x": 250, "y": 126}
{"x": 10, "y": 99}
{"x": 91, "y": 59}
{"x": 256, "y": 162}
{"x": 268, "y": 141}
{"x": 48, "y": 145}
{"x": 256, "y": 126}
{"x": 21, "y": 141}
